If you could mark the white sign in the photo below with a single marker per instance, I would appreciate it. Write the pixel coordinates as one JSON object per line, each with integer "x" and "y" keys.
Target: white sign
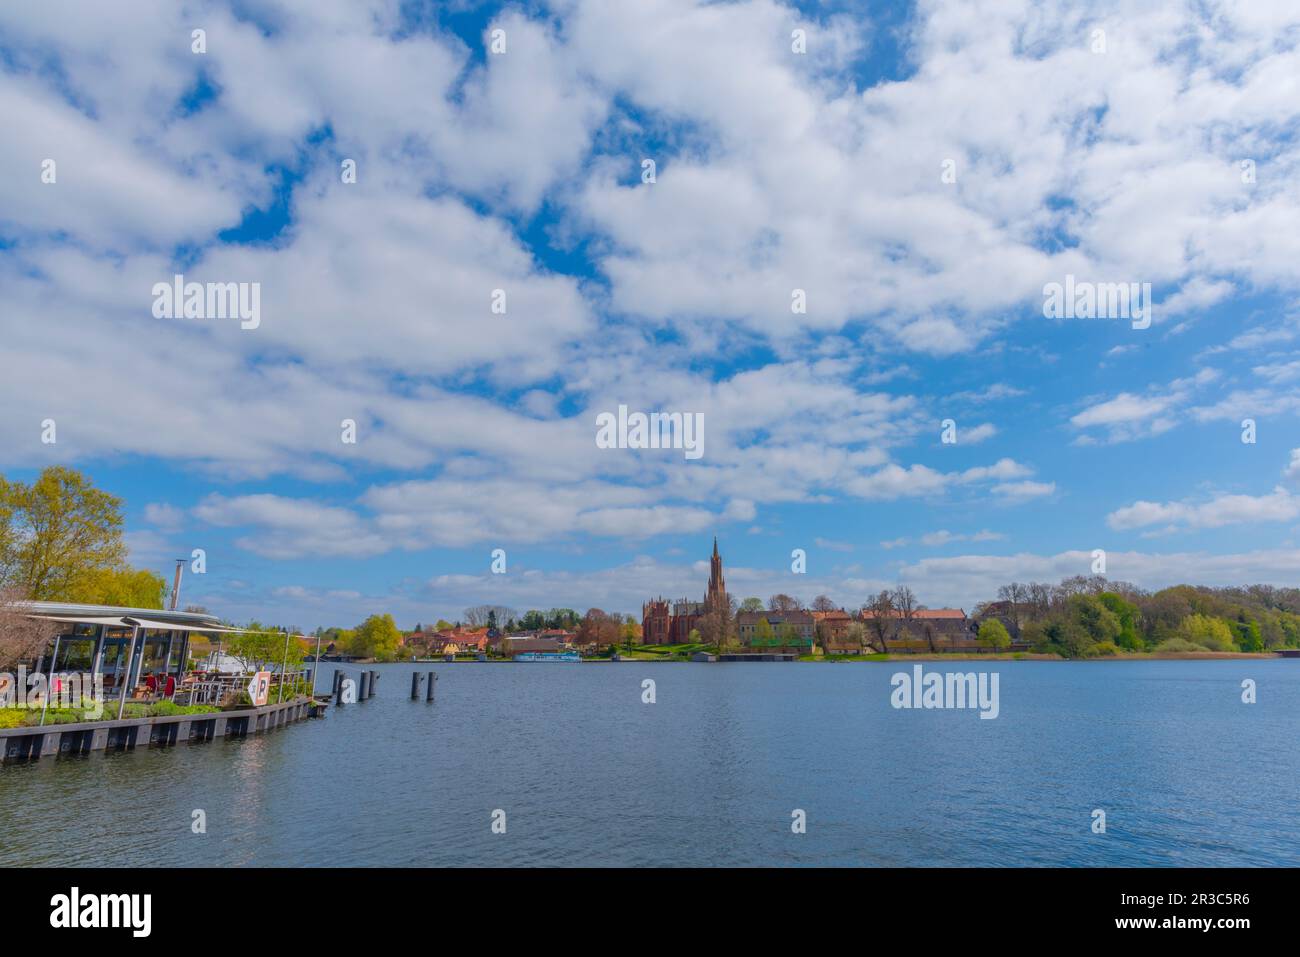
{"x": 259, "y": 689}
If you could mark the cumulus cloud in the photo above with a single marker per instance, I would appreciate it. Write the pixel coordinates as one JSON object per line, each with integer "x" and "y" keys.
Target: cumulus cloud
{"x": 1130, "y": 416}
{"x": 1279, "y": 505}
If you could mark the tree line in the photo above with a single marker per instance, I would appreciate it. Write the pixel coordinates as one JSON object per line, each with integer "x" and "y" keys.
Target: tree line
{"x": 1086, "y": 616}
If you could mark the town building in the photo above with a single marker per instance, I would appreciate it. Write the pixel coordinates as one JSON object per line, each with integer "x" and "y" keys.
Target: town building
{"x": 791, "y": 631}
{"x": 944, "y": 628}
{"x": 456, "y": 641}
{"x": 512, "y": 645}
{"x": 832, "y": 626}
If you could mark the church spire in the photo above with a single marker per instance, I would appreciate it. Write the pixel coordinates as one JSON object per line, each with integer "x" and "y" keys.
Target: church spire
{"x": 717, "y": 595}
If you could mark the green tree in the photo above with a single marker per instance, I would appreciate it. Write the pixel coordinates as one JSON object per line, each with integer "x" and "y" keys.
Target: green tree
{"x": 763, "y": 633}
{"x": 57, "y": 534}
{"x": 752, "y": 605}
{"x": 1127, "y": 615}
{"x": 993, "y": 634}
{"x": 1212, "y": 633}
{"x": 1097, "y": 621}
{"x": 377, "y": 637}
{"x": 1248, "y": 637}
{"x": 261, "y": 647}
{"x": 124, "y": 587}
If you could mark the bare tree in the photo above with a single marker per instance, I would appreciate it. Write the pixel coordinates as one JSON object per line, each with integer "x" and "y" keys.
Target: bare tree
{"x": 905, "y": 603}
{"x": 22, "y": 638}
{"x": 857, "y": 634}
{"x": 881, "y": 619}
{"x": 716, "y": 625}
{"x": 1039, "y": 598}
{"x": 1016, "y": 597}
{"x": 477, "y": 616}
{"x": 784, "y": 602}
{"x": 600, "y": 628}
{"x": 928, "y": 628}
{"x": 823, "y": 603}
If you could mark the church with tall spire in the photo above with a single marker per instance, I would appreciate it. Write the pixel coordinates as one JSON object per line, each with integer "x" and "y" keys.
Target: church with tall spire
{"x": 671, "y": 623}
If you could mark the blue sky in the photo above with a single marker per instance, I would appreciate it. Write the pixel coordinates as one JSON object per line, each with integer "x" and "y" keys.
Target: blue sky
{"x": 1112, "y": 156}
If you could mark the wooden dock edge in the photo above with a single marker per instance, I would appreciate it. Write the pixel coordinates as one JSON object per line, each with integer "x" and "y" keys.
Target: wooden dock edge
{"x": 60, "y": 740}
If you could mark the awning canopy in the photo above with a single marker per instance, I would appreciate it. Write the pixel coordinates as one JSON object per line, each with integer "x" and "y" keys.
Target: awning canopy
{"x": 170, "y": 626}
{"x": 131, "y": 622}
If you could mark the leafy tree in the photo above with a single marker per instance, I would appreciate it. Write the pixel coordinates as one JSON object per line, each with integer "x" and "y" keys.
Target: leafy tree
{"x": 1248, "y": 636}
{"x": 789, "y": 634}
{"x": 1212, "y": 633}
{"x": 993, "y": 634}
{"x": 1127, "y": 614}
{"x": 125, "y": 587}
{"x": 763, "y": 631}
{"x": 259, "y": 647}
{"x": 1098, "y": 621}
{"x": 752, "y": 605}
{"x": 1067, "y": 636}
{"x": 377, "y": 637}
{"x": 57, "y": 534}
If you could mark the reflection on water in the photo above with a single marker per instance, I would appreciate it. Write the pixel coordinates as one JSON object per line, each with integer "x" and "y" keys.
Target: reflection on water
{"x": 588, "y": 774}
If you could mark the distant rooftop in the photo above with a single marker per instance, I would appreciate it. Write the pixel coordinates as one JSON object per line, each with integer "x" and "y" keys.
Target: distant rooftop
{"x": 921, "y": 613}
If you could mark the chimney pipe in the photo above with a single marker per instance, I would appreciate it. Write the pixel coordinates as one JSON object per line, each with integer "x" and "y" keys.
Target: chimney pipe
{"x": 176, "y": 583}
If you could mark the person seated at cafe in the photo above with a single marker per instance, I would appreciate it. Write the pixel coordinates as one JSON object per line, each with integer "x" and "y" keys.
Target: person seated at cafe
{"x": 169, "y": 688}
{"x": 151, "y": 683}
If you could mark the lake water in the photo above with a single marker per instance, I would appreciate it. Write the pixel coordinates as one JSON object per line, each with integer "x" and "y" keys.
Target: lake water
{"x": 709, "y": 774}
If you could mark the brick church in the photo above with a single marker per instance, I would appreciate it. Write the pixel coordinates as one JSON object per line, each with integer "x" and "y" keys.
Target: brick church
{"x": 663, "y": 623}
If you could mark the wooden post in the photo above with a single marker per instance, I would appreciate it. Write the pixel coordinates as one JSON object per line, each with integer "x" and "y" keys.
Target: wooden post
{"x": 433, "y": 678}
{"x": 415, "y": 685}
{"x": 374, "y": 680}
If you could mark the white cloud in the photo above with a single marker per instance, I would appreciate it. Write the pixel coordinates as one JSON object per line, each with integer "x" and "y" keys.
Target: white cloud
{"x": 1130, "y": 416}
{"x": 1280, "y": 505}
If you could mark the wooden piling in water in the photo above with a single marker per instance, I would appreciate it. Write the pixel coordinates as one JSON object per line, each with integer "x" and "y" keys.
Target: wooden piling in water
{"x": 433, "y": 679}
{"x": 416, "y": 678}
{"x": 374, "y": 680}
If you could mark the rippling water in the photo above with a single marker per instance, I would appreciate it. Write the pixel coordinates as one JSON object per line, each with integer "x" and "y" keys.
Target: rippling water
{"x": 587, "y": 774}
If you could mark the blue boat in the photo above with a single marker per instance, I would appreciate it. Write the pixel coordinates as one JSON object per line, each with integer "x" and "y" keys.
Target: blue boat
{"x": 548, "y": 656}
